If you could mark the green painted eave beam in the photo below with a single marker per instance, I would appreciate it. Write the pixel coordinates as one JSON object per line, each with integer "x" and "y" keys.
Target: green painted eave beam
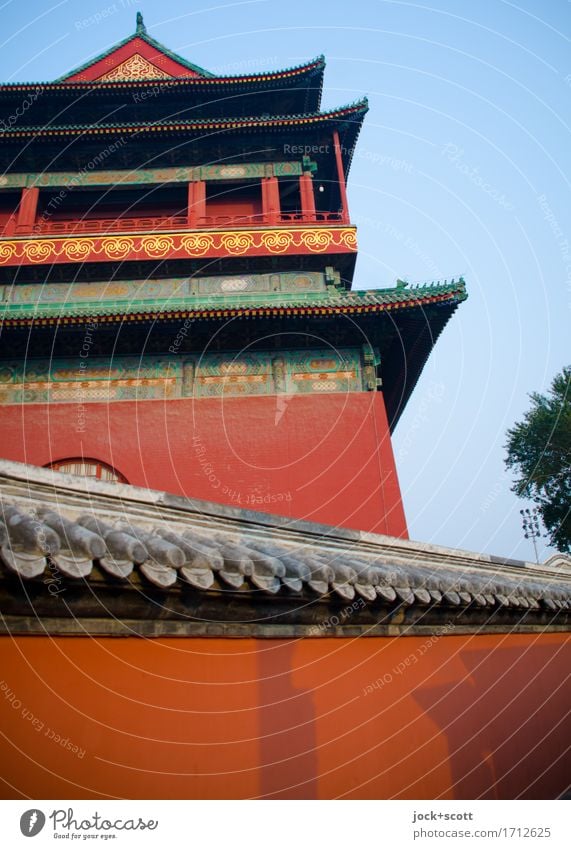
{"x": 146, "y": 176}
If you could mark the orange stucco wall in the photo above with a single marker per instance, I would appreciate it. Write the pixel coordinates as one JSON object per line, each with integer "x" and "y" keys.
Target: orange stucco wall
{"x": 322, "y": 458}
{"x": 455, "y": 717}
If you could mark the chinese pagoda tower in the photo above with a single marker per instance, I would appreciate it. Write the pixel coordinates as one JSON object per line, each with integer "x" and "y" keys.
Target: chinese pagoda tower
{"x": 176, "y": 265}
{"x": 178, "y": 320}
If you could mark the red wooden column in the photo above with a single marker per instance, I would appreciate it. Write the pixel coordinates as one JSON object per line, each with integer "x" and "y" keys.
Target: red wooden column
{"x": 28, "y": 208}
{"x": 307, "y": 196}
{"x": 265, "y": 202}
{"x": 196, "y": 202}
{"x": 341, "y": 178}
{"x": 271, "y": 200}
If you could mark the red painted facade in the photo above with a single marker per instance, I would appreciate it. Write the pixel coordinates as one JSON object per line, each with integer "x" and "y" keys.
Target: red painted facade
{"x": 322, "y": 458}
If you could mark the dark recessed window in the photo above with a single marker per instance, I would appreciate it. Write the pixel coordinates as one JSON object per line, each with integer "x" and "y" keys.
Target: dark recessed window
{"x": 88, "y": 468}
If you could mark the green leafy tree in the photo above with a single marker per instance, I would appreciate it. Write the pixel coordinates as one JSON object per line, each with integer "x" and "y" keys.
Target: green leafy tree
{"x": 539, "y": 451}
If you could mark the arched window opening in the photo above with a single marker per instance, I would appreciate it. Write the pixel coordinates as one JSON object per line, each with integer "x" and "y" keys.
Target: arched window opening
{"x": 88, "y": 468}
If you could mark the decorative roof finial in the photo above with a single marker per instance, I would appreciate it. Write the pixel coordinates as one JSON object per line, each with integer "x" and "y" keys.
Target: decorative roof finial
{"x": 141, "y": 28}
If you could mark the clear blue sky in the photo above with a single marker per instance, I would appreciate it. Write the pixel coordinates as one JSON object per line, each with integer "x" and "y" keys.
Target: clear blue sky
{"x": 463, "y": 168}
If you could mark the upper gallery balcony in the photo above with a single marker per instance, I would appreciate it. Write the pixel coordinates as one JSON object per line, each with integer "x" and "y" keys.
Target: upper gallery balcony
{"x": 52, "y": 219}
{"x": 152, "y": 224}
{"x": 214, "y": 197}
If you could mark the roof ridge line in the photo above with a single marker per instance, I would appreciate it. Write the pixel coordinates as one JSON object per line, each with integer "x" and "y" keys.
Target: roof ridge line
{"x": 313, "y": 64}
{"x": 317, "y": 62}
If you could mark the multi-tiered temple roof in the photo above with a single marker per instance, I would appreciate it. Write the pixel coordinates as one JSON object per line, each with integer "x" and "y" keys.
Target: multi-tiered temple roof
{"x": 140, "y": 126}
{"x": 140, "y": 88}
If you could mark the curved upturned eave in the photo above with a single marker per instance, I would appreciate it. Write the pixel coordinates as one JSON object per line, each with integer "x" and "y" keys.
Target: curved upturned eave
{"x": 405, "y": 324}
{"x": 348, "y": 120}
{"x": 352, "y": 112}
{"x": 340, "y": 303}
